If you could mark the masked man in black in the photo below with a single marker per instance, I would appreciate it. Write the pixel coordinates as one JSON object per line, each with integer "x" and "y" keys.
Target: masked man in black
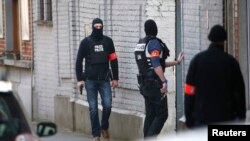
{"x": 98, "y": 51}
{"x": 214, "y": 89}
{"x": 150, "y": 55}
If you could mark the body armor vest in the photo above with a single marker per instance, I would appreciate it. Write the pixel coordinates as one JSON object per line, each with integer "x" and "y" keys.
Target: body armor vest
{"x": 142, "y": 56}
{"x": 97, "y": 61}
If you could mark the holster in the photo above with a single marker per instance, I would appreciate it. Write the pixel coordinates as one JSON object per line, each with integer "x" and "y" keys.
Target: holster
{"x": 151, "y": 83}
{"x": 149, "y": 87}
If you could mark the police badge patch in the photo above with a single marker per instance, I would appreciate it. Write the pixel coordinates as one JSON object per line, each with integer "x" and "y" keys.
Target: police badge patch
{"x": 140, "y": 47}
{"x": 99, "y": 48}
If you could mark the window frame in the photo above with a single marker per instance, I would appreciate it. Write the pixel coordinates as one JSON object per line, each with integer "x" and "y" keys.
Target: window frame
{"x": 24, "y": 20}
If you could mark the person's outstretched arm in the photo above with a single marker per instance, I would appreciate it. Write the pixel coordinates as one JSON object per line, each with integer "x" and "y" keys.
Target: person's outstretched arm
{"x": 175, "y": 62}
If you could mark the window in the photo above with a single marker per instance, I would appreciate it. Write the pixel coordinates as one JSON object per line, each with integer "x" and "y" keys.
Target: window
{"x": 45, "y": 10}
{"x": 25, "y": 19}
{"x": 14, "y": 33}
{"x": 49, "y": 10}
{"x": 17, "y": 28}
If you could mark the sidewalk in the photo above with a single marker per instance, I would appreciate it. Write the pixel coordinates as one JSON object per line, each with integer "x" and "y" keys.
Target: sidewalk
{"x": 67, "y": 136}
{"x": 63, "y": 135}
{"x": 70, "y": 136}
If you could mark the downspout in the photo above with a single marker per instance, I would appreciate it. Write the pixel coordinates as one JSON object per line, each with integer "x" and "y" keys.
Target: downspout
{"x": 179, "y": 68}
{"x": 248, "y": 55}
{"x": 111, "y": 17}
{"x": 105, "y": 17}
{"x": 140, "y": 21}
{"x": 32, "y": 64}
{"x": 57, "y": 47}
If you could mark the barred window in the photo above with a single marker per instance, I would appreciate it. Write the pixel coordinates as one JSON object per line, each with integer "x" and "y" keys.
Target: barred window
{"x": 41, "y": 10}
{"x": 45, "y": 10}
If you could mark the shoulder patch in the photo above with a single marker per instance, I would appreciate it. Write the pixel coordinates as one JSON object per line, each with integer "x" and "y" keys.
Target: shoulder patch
{"x": 155, "y": 53}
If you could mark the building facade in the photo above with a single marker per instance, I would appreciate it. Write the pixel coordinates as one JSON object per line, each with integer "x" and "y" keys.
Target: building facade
{"x": 16, "y": 46}
{"x": 56, "y": 42}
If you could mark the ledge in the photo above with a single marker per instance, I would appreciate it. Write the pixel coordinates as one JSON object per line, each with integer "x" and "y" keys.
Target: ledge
{"x": 16, "y": 63}
{"x": 44, "y": 23}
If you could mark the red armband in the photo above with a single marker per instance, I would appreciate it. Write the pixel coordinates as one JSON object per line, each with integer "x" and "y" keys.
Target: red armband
{"x": 112, "y": 56}
{"x": 189, "y": 89}
{"x": 155, "y": 53}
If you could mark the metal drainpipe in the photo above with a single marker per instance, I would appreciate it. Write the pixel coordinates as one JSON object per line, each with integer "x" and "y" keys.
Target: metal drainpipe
{"x": 111, "y": 17}
{"x": 32, "y": 66}
{"x": 179, "y": 69}
{"x": 248, "y": 55}
{"x": 105, "y": 17}
{"x": 140, "y": 21}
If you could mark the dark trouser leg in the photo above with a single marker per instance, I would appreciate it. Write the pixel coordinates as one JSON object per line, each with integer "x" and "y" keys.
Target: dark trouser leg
{"x": 157, "y": 117}
{"x": 106, "y": 96}
{"x": 150, "y": 114}
{"x": 91, "y": 88}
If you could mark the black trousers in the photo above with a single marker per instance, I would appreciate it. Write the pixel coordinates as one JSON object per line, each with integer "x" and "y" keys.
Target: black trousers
{"x": 156, "y": 112}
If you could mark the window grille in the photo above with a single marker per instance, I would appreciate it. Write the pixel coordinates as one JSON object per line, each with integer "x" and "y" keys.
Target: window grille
{"x": 45, "y": 10}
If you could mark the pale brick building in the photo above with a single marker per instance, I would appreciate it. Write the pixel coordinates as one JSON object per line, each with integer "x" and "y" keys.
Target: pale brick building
{"x": 183, "y": 25}
{"x": 55, "y": 47}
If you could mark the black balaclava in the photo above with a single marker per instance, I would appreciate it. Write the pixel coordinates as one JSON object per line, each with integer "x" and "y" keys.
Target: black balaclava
{"x": 150, "y": 28}
{"x": 97, "y": 34}
{"x": 217, "y": 34}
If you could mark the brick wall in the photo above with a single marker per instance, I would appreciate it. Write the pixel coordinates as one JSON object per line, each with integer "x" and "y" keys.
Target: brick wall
{"x": 56, "y": 46}
{"x": 63, "y": 36}
{"x": 123, "y": 28}
{"x": 46, "y": 73}
{"x": 123, "y": 22}
{"x": 198, "y": 18}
